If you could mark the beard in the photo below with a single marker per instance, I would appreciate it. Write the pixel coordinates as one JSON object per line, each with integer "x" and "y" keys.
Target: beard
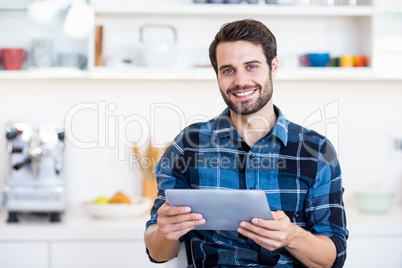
{"x": 247, "y": 107}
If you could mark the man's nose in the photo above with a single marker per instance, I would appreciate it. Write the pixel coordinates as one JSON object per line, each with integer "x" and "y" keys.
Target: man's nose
{"x": 241, "y": 79}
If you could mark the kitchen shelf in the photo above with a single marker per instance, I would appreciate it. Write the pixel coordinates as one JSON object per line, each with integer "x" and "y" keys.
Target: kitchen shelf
{"x": 144, "y": 73}
{"x": 51, "y": 73}
{"x": 107, "y": 7}
{"x": 304, "y": 73}
{"x": 326, "y": 73}
{"x": 13, "y": 10}
{"x": 13, "y": 6}
{"x": 391, "y": 10}
{"x": 206, "y": 74}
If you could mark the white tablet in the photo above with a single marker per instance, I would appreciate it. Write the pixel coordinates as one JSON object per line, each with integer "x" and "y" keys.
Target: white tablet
{"x": 222, "y": 209}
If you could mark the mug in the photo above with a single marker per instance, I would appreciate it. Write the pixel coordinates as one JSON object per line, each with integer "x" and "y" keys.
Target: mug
{"x": 347, "y": 61}
{"x": 361, "y": 61}
{"x": 318, "y": 59}
{"x": 13, "y": 58}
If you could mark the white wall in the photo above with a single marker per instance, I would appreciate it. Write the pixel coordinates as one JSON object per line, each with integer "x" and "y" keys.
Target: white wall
{"x": 364, "y": 113}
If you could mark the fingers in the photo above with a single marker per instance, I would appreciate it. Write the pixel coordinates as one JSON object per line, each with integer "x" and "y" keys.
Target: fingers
{"x": 267, "y": 238}
{"x": 174, "y": 215}
{"x": 175, "y": 235}
{"x": 174, "y": 222}
{"x": 266, "y": 242}
{"x": 277, "y": 215}
{"x": 166, "y": 210}
{"x": 270, "y": 234}
{"x": 257, "y": 226}
{"x": 272, "y": 225}
{"x": 182, "y": 221}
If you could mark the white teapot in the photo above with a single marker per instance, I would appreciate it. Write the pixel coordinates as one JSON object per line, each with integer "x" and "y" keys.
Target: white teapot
{"x": 158, "y": 50}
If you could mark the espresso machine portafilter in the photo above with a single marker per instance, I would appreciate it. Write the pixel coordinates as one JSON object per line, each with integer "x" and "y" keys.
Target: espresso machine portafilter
{"x": 35, "y": 181}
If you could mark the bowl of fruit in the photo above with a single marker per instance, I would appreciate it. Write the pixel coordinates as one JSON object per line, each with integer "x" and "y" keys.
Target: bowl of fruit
{"x": 118, "y": 207}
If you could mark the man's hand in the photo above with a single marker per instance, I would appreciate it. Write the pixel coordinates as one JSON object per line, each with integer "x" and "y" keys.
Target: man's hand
{"x": 311, "y": 250}
{"x": 270, "y": 234}
{"x": 162, "y": 239}
{"x": 174, "y": 222}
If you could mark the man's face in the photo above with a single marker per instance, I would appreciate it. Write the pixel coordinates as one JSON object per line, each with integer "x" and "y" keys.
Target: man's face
{"x": 244, "y": 77}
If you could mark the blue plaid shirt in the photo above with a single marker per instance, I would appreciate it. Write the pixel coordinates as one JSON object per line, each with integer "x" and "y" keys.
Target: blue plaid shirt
{"x": 297, "y": 168}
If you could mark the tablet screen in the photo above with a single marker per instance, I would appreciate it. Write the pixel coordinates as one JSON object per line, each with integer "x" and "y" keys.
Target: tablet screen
{"x": 222, "y": 209}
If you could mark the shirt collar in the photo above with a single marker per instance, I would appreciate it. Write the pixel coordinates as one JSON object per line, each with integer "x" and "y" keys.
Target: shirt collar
{"x": 224, "y": 126}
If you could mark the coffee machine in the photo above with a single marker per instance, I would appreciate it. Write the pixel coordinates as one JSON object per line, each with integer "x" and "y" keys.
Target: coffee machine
{"x": 34, "y": 181}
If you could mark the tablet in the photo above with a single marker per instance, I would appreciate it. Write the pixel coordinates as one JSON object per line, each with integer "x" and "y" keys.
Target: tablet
{"x": 222, "y": 209}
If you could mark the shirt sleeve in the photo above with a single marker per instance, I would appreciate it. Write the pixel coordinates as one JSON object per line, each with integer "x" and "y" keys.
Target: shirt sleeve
{"x": 324, "y": 206}
{"x": 170, "y": 173}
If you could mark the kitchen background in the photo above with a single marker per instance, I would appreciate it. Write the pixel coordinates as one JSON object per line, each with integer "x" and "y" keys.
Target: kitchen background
{"x": 120, "y": 95}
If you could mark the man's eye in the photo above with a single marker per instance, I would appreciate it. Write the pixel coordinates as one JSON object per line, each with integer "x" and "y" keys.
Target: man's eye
{"x": 228, "y": 71}
{"x": 250, "y": 67}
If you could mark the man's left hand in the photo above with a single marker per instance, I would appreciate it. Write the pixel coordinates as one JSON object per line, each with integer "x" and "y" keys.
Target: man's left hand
{"x": 270, "y": 234}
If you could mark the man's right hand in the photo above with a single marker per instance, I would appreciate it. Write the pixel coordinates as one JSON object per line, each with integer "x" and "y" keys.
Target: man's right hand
{"x": 174, "y": 222}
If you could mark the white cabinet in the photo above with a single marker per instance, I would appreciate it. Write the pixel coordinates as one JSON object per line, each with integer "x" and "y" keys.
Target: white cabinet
{"x": 76, "y": 242}
{"x": 24, "y": 254}
{"x": 100, "y": 254}
{"x": 375, "y": 239}
{"x": 78, "y": 254}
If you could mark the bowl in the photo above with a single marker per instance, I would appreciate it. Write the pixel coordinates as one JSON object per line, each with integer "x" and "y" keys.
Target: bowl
{"x": 139, "y": 207}
{"x": 374, "y": 201}
{"x": 318, "y": 59}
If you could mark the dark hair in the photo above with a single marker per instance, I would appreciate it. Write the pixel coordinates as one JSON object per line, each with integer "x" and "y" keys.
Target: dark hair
{"x": 245, "y": 30}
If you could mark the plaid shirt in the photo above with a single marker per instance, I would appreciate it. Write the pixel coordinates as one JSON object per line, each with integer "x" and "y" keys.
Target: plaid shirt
{"x": 297, "y": 168}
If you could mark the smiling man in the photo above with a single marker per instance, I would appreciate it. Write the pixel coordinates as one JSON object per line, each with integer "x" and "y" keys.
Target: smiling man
{"x": 303, "y": 182}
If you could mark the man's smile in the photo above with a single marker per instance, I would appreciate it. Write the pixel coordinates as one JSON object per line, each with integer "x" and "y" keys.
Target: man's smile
{"x": 244, "y": 93}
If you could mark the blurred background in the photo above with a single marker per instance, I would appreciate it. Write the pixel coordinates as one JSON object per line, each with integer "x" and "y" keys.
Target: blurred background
{"x": 124, "y": 76}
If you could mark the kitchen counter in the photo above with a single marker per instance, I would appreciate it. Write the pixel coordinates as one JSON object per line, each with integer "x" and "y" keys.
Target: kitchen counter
{"x": 76, "y": 225}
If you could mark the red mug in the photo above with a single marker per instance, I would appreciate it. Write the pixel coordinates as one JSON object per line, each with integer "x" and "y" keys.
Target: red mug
{"x": 13, "y": 58}
{"x": 361, "y": 61}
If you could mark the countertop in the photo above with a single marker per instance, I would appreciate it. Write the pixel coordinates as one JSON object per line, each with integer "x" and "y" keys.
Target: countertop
{"x": 75, "y": 225}
{"x": 78, "y": 226}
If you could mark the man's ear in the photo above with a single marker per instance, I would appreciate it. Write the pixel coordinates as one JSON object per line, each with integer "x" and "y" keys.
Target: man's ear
{"x": 274, "y": 67}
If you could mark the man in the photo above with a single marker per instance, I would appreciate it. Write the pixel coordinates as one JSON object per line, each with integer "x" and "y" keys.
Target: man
{"x": 296, "y": 167}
